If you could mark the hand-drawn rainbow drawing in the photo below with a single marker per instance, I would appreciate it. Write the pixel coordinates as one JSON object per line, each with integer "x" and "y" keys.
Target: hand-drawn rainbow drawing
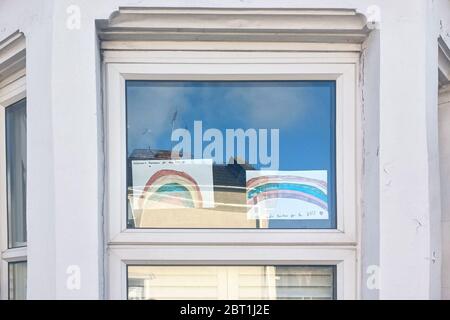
{"x": 173, "y": 187}
{"x": 292, "y": 195}
{"x": 166, "y": 184}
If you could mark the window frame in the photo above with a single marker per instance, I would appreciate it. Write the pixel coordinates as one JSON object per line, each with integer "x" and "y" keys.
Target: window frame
{"x": 337, "y": 247}
{"x": 343, "y": 258}
{"x": 297, "y": 66}
{"x": 12, "y": 90}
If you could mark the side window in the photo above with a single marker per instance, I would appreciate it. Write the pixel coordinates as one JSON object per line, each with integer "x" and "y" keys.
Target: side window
{"x": 13, "y": 169}
{"x": 16, "y": 184}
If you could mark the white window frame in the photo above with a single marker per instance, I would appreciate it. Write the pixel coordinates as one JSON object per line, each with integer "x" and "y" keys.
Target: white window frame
{"x": 344, "y": 259}
{"x": 12, "y": 90}
{"x": 130, "y": 246}
{"x": 229, "y": 69}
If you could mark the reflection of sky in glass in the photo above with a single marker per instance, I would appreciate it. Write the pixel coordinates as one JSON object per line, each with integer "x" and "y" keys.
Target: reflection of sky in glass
{"x": 303, "y": 111}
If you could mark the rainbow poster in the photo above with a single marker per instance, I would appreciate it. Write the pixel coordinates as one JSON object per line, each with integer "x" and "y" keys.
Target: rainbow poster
{"x": 163, "y": 184}
{"x": 290, "y": 195}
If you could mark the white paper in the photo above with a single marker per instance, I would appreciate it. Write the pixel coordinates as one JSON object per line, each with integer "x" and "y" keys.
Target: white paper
{"x": 161, "y": 184}
{"x": 287, "y": 195}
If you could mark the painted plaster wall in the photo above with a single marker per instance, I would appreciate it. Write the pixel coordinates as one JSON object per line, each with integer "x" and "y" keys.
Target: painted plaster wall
{"x": 65, "y": 182}
{"x": 369, "y": 83}
{"x": 35, "y": 19}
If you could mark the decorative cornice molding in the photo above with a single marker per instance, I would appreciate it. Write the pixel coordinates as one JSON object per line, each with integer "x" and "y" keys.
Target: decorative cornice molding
{"x": 250, "y": 25}
{"x": 12, "y": 55}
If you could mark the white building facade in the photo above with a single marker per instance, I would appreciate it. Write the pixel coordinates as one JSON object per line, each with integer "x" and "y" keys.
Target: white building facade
{"x": 67, "y": 71}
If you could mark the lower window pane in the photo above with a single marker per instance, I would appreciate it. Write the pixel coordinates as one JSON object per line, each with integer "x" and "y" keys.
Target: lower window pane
{"x": 231, "y": 282}
{"x": 17, "y": 280}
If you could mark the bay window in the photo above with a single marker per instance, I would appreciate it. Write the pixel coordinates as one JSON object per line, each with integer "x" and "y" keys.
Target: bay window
{"x": 230, "y": 173}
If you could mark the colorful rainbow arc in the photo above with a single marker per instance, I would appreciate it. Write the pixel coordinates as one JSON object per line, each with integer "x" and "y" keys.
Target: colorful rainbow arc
{"x": 173, "y": 187}
{"x": 287, "y": 187}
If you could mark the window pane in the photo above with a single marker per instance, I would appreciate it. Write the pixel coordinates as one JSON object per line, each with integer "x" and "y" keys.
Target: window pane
{"x": 16, "y": 173}
{"x": 231, "y": 282}
{"x": 231, "y": 154}
{"x": 17, "y": 280}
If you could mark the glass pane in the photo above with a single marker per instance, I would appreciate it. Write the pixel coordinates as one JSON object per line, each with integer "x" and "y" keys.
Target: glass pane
{"x": 17, "y": 280}
{"x": 16, "y": 173}
{"x": 231, "y": 282}
{"x": 231, "y": 154}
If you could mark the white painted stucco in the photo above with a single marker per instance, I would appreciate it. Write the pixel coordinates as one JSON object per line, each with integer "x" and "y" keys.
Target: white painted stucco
{"x": 401, "y": 218}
